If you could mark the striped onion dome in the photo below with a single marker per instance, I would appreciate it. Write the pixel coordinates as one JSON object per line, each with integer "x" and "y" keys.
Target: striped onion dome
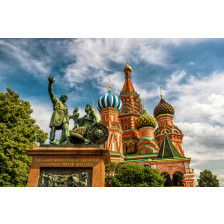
{"x": 163, "y": 108}
{"x": 109, "y": 100}
{"x": 145, "y": 120}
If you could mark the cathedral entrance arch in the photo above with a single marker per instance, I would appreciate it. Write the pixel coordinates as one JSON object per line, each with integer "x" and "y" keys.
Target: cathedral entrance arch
{"x": 168, "y": 182}
{"x": 175, "y": 181}
{"x": 178, "y": 179}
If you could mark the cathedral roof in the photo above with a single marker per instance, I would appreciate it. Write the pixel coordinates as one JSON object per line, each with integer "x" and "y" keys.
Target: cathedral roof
{"x": 127, "y": 67}
{"x": 145, "y": 120}
{"x": 163, "y": 108}
{"x": 128, "y": 86}
{"x": 109, "y": 100}
{"x": 167, "y": 149}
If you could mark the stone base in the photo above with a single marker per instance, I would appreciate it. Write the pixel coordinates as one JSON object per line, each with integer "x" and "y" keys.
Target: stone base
{"x": 65, "y": 163}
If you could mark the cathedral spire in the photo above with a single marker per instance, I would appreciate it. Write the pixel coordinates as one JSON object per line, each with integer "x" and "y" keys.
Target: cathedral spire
{"x": 128, "y": 86}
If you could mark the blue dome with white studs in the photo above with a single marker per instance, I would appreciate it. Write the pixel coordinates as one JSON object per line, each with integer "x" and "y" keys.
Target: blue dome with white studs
{"x": 109, "y": 100}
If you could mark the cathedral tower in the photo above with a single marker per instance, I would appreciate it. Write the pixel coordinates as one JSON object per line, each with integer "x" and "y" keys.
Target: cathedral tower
{"x": 109, "y": 106}
{"x": 131, "y": 111}
{"x": 146, "y": 124}
{"x": 164, "y": 113}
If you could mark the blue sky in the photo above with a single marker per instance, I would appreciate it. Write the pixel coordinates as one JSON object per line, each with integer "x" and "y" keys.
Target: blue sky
{"x": 190, "y": 72}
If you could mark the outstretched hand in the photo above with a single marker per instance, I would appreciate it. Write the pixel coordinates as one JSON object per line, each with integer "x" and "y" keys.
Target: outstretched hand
{"x": 51, "y": 79}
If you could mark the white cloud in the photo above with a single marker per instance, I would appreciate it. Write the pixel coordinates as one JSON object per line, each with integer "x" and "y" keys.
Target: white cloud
{"x": 18, "y": 52}
{"x": 117, "y": 82}
{"x": 93, "y": 57}
{"x": 199, "y": 100}
{"x": 42, "y": 114}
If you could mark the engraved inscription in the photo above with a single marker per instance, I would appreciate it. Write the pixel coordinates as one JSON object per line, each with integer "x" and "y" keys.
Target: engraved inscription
{"x": 85, "y": 162}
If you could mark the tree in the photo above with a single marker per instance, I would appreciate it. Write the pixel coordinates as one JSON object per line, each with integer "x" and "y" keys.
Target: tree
{"x": 132, "y": 175}
{"x": 18, "y": 132}
{"x": 207, "y": 179}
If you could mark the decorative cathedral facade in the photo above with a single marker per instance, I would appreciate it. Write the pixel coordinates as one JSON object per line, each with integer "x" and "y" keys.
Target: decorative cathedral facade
{"x": 134, "y": 139}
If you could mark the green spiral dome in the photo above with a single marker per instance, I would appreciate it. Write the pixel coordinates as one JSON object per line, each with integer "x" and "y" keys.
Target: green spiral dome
{"x": 145, "y": 120}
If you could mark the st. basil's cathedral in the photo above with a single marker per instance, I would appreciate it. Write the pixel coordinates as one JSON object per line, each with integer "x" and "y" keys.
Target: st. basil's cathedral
{"x": 137, "y": 137}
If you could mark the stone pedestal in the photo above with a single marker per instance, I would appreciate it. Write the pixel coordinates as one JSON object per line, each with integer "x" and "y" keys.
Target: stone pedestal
{"x": 68, "y": 166}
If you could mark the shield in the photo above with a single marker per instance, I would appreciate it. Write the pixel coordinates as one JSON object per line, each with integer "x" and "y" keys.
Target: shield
{"x": 98, "y": 133}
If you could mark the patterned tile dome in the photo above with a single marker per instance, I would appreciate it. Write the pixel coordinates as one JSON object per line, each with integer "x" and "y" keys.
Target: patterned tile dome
{"x": 109, "y": 100}
{"x": 163, "y": 108}
{"x": 145, "y": 120}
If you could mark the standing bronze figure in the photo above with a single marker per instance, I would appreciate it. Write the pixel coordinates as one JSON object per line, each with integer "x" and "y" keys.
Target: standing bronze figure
{"x": 59, "y": 118}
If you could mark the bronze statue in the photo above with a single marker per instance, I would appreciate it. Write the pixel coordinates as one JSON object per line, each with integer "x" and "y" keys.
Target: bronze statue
{"x": 86, "y": 130}
{"x": 59, "y": 118}
{"x": 84, "y": 124}
{"x": 75, "y": 117}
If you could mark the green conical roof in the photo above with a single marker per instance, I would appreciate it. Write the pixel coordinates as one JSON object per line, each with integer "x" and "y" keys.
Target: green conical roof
{"x": 167, "y": 149}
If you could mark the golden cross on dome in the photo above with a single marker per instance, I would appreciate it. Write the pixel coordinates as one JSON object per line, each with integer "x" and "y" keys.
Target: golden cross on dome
{"x": 161, "y": 93}
{"x": 143, "y": 104}
{"x": 109, "y": 84}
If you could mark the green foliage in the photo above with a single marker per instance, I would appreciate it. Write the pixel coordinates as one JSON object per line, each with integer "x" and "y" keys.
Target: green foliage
{"x": 18, "y": 132}
{"x": 132, "y": 175}
{"x": 207, "y": 179}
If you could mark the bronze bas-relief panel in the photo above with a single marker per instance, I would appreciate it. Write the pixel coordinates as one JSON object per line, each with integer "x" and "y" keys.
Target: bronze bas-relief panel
{"x": 65, "y": 177}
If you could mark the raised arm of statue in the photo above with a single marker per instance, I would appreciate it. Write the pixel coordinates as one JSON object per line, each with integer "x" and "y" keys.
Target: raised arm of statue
{"x": 50, "y": 89}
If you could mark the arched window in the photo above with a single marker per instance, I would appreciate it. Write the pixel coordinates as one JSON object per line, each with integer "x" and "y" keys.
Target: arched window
{"x": 125, "y": 148}
{"x": 125, "y": 127}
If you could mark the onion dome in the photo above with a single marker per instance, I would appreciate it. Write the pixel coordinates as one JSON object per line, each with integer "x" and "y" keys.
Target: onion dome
{"x": 163, "y": 108}
{"x": 109, "y": 100}
{"x": 145, "y": 120}
{"x": 127, "y": 67}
